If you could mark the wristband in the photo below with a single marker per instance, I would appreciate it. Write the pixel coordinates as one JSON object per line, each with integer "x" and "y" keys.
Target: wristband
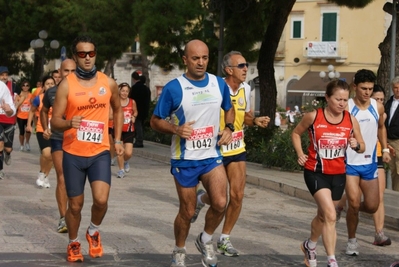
{"x": 118, "y": 142}
{"x": 253, "y": 121}
{"x": 385, "y": 150}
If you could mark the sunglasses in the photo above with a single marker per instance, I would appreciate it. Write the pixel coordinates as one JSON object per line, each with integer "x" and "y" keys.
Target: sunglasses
{"x": 83, "y": 54}
{"x": 240, "y": 66}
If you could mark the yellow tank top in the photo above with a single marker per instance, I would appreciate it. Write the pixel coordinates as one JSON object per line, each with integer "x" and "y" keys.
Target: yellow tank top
{"x": 237, "y": 146}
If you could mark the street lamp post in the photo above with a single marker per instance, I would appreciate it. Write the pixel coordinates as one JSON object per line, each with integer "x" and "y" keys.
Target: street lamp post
{"x": 40, "y": 53}
{"x": 330, "y": 74}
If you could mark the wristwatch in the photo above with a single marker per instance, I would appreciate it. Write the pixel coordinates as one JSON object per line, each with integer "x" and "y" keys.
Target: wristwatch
{"x": 230, "y": 126}
{"x": 357, "y": 148}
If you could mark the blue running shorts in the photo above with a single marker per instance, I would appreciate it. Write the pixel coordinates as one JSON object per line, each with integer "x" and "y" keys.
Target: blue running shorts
{"x": 190, "y": 176}
{"x": 77, "y": 168}
{"x": 235, "y": 158}
{"x": 56, "y": 145}
{"x": 365, "y": 172}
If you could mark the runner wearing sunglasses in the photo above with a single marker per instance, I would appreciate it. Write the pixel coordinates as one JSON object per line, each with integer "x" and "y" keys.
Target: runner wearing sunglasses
{"x": 81, "y": 111}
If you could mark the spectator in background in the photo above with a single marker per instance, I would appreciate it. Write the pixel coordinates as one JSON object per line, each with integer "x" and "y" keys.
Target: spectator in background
{"x": 4, "y": 76}
{"x": 277, "y": 119}
{"x": 23, "y": 104}
{"x": 6, "y": 122}
{"x": 392, "y": 126}
{"x": 142, "y": 95}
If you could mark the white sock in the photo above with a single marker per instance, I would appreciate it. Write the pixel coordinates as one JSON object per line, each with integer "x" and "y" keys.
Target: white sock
{"x": 93, "y": 228}
{"x": 352, "y": 240}
{"x": 205, "y": 238}
{"x": 332, "y": 257}
{"x": 311, "y": 244}
{"x": 74, "y": 240}
{"x": 178, "y": 248}
{"x": 223, "y": 236}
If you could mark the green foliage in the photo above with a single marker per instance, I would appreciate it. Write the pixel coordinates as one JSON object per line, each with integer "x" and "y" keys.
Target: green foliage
{"x": 273, "y": 147}
{"x": 165, "y": 27}
{"x": 154, "y": 136}
{"x": 108, "y": 22}
{"x": 312, "y": 105}
{"x": 351, "y": 3}
{"x": 280, "y": 151}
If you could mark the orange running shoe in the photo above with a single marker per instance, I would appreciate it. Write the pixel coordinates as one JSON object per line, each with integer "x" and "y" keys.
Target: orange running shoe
{"x": 95, "y": 246}
{"x": 74, "y": 253}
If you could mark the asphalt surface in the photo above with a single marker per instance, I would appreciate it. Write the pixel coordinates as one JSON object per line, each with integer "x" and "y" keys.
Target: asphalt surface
{"x": 138, "y": 228}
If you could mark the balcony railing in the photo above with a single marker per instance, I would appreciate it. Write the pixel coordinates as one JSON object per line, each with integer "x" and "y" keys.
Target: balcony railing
{"x": 325, "y": 50}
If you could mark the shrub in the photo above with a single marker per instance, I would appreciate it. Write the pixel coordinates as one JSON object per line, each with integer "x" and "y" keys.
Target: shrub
{"x": 275, "y": 149}
{"x": 271, "y": 147}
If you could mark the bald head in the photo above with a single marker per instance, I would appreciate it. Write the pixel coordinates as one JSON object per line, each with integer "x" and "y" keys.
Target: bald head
{"x": 196, "y": 58}
{"x": 67, "y": 66}
{"x": 193, "y": 44}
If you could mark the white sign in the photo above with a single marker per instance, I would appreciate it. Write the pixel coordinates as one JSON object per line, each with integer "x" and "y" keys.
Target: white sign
{"x": 322, "y": 49}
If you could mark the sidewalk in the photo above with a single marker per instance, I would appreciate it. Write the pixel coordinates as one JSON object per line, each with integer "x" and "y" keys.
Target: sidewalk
{"x": 138, "y": 227}
{"x": 290, "y": 183}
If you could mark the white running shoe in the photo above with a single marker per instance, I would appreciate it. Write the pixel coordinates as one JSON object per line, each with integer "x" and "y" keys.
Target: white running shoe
{"x": 208, "y": 253}
{"x": 120, "y": 174}
{"x": 178, "y": 258}
{"x": 21, "y": 148}
{"x": 40, "y": 179}
{"x": 126, "y": 166}
{"x": 46, "y": 183}
{"x": 27, "y": 147}
{"x": 352, "y": 249}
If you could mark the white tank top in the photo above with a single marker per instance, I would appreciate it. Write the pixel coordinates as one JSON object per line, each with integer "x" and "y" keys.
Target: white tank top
{"x": 368, "y": 121}
{"x": 202, "y": 105}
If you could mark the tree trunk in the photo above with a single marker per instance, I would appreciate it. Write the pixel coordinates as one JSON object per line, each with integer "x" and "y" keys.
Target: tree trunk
{"x": 109, "y": 68}
{"x": 384, "y": 69}
{"x": 145, "y": 66}
{"x": 267, "y": 83}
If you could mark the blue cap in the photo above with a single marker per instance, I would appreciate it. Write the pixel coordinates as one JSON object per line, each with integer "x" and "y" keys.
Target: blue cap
{"x": 3, "y": 69}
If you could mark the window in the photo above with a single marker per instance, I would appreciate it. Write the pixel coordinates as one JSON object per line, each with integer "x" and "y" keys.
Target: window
{"x": 297, "y": 26}
{"x": 329, "y": 27}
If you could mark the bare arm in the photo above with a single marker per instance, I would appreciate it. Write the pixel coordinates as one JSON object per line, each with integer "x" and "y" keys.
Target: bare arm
{"x": 30, "y": 118}
{"x": 357, "y": 135}
{"x": 44, "y": 117}
{"x": 58, "y": 123}
{"x": 226, "y": 134}
{"x": 18, "y": 101}
{"x": 163, "y": 126}
{"x": 382, "y": 133}
{"x": 302, "y": 126}
{"x": 117, "y": 114}
{"x": 251, "y": 120}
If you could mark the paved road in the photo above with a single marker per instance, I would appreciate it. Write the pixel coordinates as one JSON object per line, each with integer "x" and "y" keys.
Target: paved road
{"x": 138, "y": 228}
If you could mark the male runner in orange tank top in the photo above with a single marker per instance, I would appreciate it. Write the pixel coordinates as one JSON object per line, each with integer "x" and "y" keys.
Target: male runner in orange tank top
{"x": 81, "y": 111}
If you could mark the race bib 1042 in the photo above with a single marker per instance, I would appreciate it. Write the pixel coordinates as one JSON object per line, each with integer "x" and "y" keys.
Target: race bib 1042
{"x": 201, "y": 138}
